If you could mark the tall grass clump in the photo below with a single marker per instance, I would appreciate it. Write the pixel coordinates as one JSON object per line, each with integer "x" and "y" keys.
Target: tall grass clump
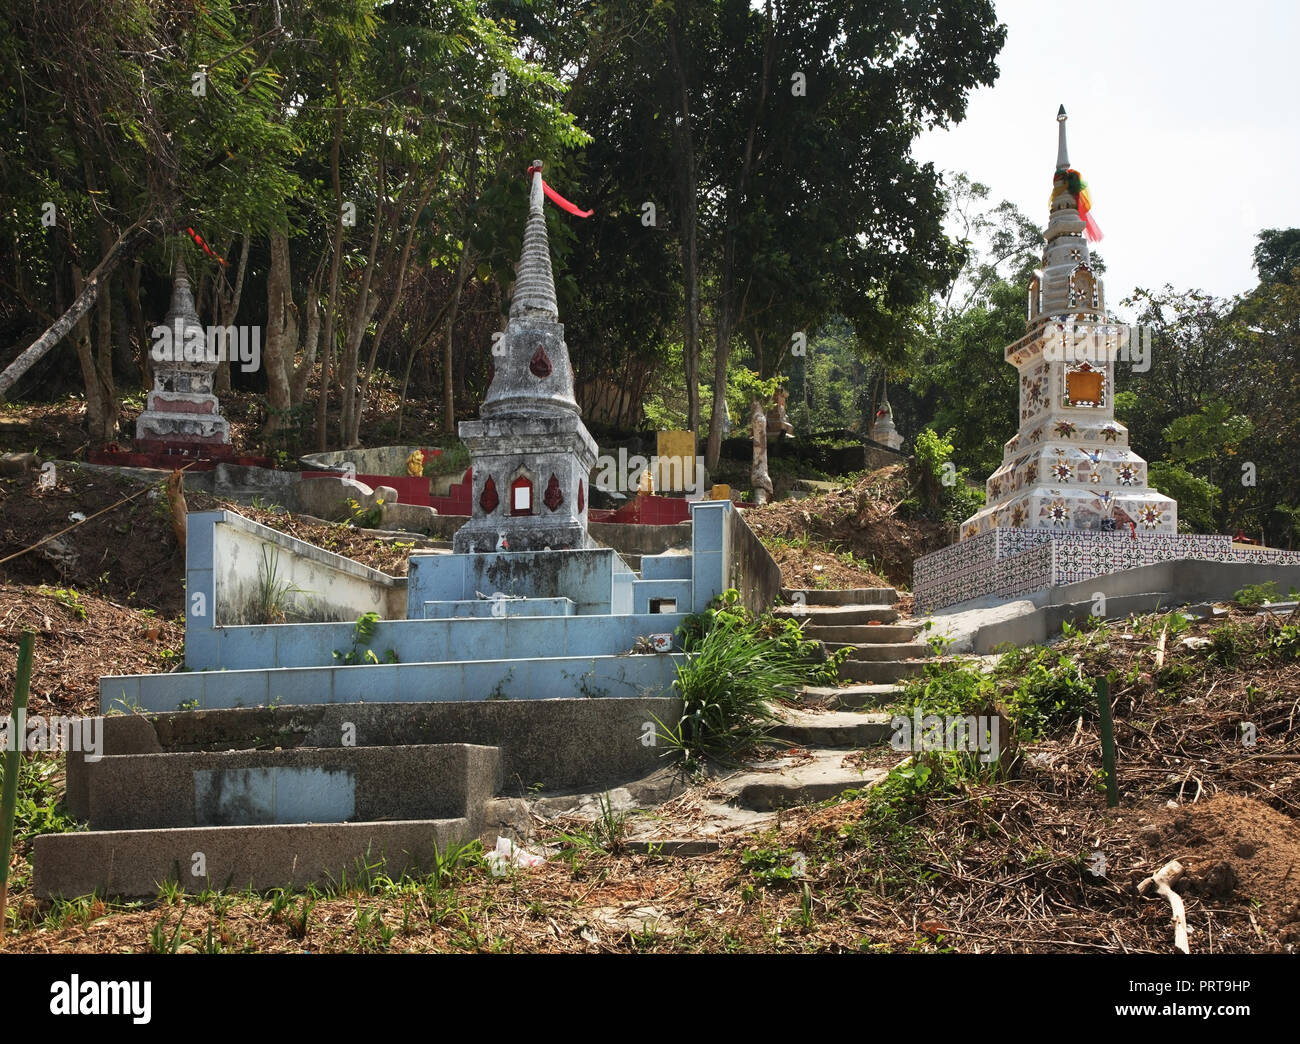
{"x": 737, "y": 666}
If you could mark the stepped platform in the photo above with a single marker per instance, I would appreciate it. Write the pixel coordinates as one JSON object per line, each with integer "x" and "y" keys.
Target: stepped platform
{"x": 378, "y": 716}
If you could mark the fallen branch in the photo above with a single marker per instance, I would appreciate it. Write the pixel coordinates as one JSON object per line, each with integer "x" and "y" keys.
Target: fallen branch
{"x": 1163, "y": 880}
{"x": 84, "y": 301}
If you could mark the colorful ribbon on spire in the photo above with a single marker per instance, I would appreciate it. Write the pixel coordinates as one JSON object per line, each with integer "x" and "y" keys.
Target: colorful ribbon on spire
{"x": 207, "y": 249}
{"x": 1079, "y": 189}
{"x": 559, "y": 200}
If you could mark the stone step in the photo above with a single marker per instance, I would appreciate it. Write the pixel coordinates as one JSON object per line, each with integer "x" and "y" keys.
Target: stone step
{"x": 884, "y": 651}
{"x": 850, "y": 697}
{"x": 838, "y": 615}
{"x": 861, "y": 634}
{"x": 880, "y": 672}
{"x": 786, "y": 785}
{"x": 845, "y": 596}
{"x": 137, "y": 862}
{"x": 301, "y": 785}
{"x": 833, "y": 728}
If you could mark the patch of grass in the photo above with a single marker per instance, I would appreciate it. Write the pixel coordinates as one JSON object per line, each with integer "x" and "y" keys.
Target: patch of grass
{"x": 1232, "y": 643}
{"x": 736, "y": 666}
{"x": 40, "y": 809}
{"x": 607, "y": 833}
{"x": 1252, "y": 596}
{"x": 274, "y": 596}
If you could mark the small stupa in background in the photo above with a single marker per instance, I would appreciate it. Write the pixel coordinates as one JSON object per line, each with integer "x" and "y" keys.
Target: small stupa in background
{"x": 181, "y": 411}
{"x": 882, "y": 429}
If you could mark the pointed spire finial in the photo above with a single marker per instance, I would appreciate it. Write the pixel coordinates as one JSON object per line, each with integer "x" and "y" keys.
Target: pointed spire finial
{"x": 182, "y": 303}
{"x": 534, "y": 294}
{"x": 1062, "y": 156}
{"x": 535, "y": 189}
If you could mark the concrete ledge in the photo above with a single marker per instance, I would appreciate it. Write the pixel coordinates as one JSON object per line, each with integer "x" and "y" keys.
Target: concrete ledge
{"x": 480, "y": 608}
{"x": 848, "y": 596}
{"x": 136, "y": 862}
{"x": 1145, "y": 589}
{"x": 558, "y": 677}
{"x": 561, "y": 744}
{"x": 306, "y": 785}
{"x": 426, "y": 641}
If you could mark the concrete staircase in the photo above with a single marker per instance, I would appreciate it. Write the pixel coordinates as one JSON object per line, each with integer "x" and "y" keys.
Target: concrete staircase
{"x": 834, "y": 722}
{"x": 885, "y": 650}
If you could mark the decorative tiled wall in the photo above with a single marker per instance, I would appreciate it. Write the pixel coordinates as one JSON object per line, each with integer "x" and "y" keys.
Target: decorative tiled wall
{"x": 1009, "y": 562}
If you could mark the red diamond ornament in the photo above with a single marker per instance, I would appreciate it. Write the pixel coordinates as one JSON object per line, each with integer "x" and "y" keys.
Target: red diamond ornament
{"x": 540, "y": 364}
{"x": 488, "y": 499}
{"x": 553, "y": 498}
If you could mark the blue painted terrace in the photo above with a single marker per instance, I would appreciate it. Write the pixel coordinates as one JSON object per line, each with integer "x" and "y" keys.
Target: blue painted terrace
{"x": 524, "y": 625}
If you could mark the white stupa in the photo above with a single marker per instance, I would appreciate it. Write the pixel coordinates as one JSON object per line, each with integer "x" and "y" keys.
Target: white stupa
{"x": 1070, "y": 467}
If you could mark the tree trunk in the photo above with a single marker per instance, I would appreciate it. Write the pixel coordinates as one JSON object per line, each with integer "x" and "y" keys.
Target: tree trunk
{"x": 86, "y": 293}
{"x": 448, "y": 357}
{"x": 690, "y": 247}
{"x": 281, "y": 335}
{"x": 101, "y": 402}
{"x": 395, "y": 299}
{"x": 227, "y": 310}
{"x": 727, "y": 313}
{"x": 145, "y": 363}
{"x": 363, "y": 309}
{"x": 311, "y": 341}
{"x": 331, "y": 302}
{"x": 758, "y": 474}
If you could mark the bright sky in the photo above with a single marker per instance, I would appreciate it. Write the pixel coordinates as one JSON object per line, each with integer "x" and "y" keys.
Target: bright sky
{"x": 1183, "y": 121}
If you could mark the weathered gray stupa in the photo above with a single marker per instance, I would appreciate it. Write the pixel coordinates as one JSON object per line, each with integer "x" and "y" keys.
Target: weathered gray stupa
{"x": 529, "y": 449}
{"x": 181, "y": 408}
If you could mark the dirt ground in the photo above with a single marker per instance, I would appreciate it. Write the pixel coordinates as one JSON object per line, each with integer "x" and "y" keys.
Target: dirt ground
{"x": 108, "y": 596}
{"x": 863, "y": 519}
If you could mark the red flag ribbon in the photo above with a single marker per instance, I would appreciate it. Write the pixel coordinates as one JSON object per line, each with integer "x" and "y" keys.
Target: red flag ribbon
{"x": 559, "y": 200}
{"x": 207, "y": 249}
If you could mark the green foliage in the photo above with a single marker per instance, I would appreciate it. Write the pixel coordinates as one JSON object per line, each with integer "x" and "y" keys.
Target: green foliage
{"x": 67, "y": 597}
{"x": 1038, "y": 688}
{"x": 452, "y": 459}
{"x": 363, "y": 631}
{"x": 39, "y": 809}
{"x": 1252, "y": 596}
{"x": 1221, "y": 400}
{"x": 365, "y": 517}
{"x": 957, "y": 368}
{"x": 1233, "y": 643}
{"x": 940, "y": 490}
{"x": 1277, "y": 255}
{"x": 1048, "y": 690}
{"x": 607, "y": 833}
{"x": 736, "y": 665}
{"x": 770, "y": 866}
{"x": 1198, "y": 498}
